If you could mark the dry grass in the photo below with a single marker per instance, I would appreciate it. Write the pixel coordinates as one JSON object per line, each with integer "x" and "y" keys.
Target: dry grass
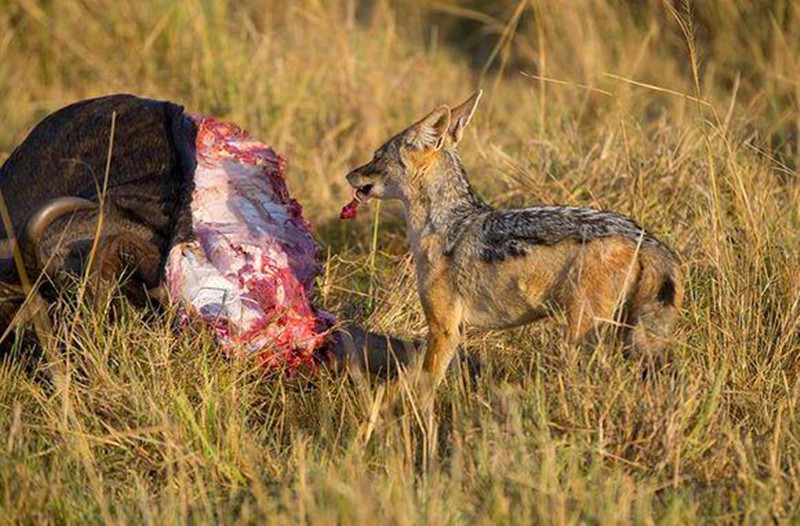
{"x": 685, "y": 118}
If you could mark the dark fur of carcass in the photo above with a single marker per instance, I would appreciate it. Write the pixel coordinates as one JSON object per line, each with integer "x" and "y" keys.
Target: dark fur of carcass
{"x": 66, "y": 155}
{"x": 150, "y": 184}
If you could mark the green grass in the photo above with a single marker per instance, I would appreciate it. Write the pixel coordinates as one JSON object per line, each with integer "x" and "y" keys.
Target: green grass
{"x": 685, "y": 119}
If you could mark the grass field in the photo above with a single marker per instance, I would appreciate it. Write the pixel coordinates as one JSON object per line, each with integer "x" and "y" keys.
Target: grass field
{"x": 686, "y": 117}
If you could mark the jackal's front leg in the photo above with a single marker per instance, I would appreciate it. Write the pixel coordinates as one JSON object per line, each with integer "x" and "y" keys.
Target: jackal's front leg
{"x": 443, "y": 312}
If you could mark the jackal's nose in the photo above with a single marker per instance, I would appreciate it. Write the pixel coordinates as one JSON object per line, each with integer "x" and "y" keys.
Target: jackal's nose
{"x": 353, "y": 177}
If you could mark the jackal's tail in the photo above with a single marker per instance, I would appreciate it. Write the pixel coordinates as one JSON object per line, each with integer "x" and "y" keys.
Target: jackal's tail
{"x": 653, "y": 307}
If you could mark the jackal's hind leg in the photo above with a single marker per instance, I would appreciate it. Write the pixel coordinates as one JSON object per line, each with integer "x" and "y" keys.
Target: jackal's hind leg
{"x": 585, "y": 319}
{"x": 599, "y": 286}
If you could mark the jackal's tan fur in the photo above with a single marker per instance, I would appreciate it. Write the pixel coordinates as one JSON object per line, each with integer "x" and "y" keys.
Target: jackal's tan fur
{"x": 502, "y": 268}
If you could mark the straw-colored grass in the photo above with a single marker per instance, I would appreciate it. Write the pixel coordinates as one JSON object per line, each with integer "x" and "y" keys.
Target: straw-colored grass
{"x": 685, "y": 117}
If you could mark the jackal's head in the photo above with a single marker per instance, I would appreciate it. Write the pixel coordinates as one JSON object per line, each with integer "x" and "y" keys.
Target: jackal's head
{"x": 399, "y": 168}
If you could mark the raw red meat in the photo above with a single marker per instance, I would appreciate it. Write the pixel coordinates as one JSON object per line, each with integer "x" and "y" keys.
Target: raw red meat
{"x": 350, "y": 210}
{"x": 249, "y": 271}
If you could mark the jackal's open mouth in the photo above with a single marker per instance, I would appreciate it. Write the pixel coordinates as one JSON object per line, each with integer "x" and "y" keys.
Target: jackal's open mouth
{"x": 361, "y": 194}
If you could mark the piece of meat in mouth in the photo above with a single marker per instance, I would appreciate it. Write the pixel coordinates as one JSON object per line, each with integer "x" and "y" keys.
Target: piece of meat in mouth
{"x": 360, "y": 195}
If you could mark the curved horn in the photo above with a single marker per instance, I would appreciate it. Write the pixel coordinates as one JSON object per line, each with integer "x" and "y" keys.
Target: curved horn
{"x": 43, "y": 217}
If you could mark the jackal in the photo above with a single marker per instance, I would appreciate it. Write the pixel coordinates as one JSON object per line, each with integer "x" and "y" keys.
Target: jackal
{"x": 497, "y": 269}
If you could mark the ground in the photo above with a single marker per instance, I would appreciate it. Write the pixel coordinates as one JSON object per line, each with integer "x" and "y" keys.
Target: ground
{"x": 684, "y": 117}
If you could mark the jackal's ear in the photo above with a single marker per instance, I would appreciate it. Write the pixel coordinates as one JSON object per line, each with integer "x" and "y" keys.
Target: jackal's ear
{"x": 429, "y": 132}
{"x": 460, "y": 117}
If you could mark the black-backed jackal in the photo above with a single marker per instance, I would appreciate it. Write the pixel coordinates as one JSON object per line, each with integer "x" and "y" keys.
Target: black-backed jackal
{"x": 502, "y": 268}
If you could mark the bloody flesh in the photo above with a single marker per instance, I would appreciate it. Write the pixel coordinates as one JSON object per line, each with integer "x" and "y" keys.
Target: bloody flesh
{"x": 350, "y": 210}
{"x": 249, "y": 271}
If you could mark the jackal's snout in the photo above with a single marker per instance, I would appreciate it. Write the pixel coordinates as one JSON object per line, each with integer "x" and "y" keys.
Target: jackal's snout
{"x": 361, "y": 182}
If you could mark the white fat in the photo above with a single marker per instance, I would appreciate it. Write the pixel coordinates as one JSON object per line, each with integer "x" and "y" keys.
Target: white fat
{"x": 249, "y": 270}
{"x": 207, "y": 291}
